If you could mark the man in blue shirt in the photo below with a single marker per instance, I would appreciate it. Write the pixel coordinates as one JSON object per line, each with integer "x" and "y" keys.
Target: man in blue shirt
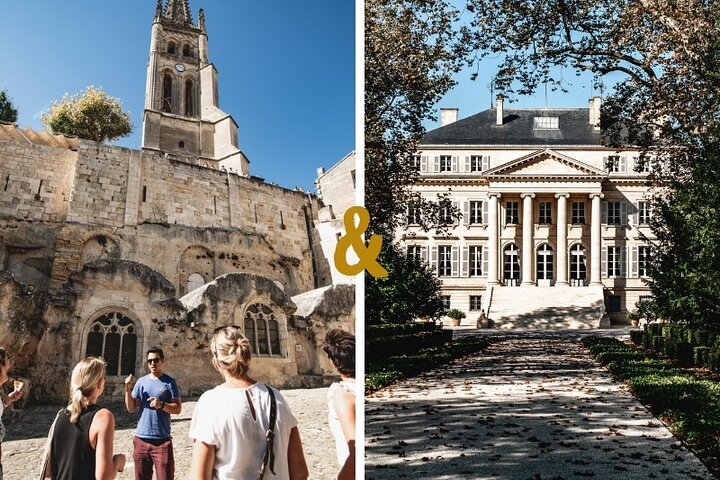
{"x": 157, "y": 396}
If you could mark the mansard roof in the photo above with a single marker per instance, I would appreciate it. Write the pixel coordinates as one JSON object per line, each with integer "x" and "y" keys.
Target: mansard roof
{"x": 518, "y": 129}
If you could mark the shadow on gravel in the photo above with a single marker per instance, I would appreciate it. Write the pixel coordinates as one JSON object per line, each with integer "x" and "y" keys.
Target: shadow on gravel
{"x": 541, "y": 412}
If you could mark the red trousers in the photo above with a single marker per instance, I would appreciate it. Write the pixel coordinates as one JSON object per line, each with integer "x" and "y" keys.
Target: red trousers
{"x": 149, "y": 453}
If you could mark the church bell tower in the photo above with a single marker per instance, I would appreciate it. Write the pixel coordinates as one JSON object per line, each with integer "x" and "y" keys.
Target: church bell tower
{"x": 182, "y": 116}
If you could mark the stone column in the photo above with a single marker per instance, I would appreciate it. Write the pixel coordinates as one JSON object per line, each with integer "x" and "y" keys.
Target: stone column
{"x": 562, "y": 253}
{"x": 493, "y": 239}
{"x": 527, "y": 249}
{"x": 595, "y": 246}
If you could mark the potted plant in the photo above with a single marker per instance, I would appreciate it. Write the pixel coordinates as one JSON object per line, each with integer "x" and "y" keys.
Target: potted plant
{"x": 456, "y": 315}
{"x": 634, "y": 318}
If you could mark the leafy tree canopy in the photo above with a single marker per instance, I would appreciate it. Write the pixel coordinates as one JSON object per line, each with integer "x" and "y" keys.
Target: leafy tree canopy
{"x": 8, "y": 113}
{"x": 91, "y": 114}
{"x": 667, "y": 103}
{"x": 412, "y": 48}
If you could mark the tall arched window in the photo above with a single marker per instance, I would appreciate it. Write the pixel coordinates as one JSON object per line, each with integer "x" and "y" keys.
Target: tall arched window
{"x": 262, "y": 330}
{"x": 189, "y": 104}
{"x": 195, "y": 280}
{"x": 511, "y": 265}
{"x": 171, "y": 48}
{"x": 186, "y": 50}
{"x": 113, "y": 336}
{"x": 578, "y": 265}
{"x": 167, "y": 93}
{"x": 544, "y": 263}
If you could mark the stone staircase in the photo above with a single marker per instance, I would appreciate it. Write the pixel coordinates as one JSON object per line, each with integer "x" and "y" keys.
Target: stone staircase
{"x": 546, "y": 307}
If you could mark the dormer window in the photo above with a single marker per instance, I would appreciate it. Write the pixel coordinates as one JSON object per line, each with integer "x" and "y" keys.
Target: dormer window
{"x": 186, "y": 50}
{"x": 171, "y": 48}
{"x": 546, "y": 123}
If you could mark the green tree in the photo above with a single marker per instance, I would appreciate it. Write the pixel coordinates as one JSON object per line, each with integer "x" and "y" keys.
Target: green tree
{"x": 410, "y": 291}
{"x": 91, "y": 114}
{"x": 412, "y": 48}
{"x": 8, "y": 113}
{"x": 666, "y": 103}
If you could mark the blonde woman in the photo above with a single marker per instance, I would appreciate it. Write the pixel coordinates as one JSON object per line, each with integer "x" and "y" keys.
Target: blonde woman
{"x": 82, "y": 442}
{"x": 14, "y": 396}
{"x": 230, "y": 422}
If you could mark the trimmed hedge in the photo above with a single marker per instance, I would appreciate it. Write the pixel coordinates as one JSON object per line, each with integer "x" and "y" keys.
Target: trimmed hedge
{"x": 690, "y": 404}
{"x": 688, "y": 345}
{"x": 383, "y": 373}
{"x": 390, "y": 346}
{"x": 389, "y": 329}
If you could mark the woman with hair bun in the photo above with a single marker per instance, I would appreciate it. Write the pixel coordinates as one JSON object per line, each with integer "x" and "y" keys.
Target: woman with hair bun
{"x": 82, "y": 443}
{"x": 231, "y": 423}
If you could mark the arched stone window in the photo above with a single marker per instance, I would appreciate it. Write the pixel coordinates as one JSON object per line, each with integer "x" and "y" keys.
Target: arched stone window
{"x": 171, "y": 47}
{"x": 578, "y": 265}
{"x": 113, "y": 336}
{"x": 186, "y": 50}
{"x": 167, "y": 93}
{"x": 189, "y": 104}
{"x": 263, "y": 330}
{"x": 544, "y": 264}
{"x": 195, "y": 280}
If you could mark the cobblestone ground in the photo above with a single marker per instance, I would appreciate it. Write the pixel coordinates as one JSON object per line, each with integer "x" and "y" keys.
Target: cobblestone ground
{"x": 27, "y": 430}
{"x": 534, "y": 406}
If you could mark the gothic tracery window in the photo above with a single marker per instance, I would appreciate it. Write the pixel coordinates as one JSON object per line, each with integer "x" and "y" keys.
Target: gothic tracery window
{"x": 113, "y": 336}
{"x": 171, "y": 48}
{"x": 186, "y": 50}
{"x": 262, "y": 330}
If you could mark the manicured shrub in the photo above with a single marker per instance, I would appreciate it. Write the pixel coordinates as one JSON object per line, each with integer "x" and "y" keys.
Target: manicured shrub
{"x": 690, "y": 404}
{"x": 389, "y": 329}
{"x": 637, "y": 336}
{"x": 394, "y": 345}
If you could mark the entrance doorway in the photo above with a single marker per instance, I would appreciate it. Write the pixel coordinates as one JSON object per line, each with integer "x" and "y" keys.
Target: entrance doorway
{"x": 544, "y": 265}
{"x": 511, "y": 266}
{"x": 578, "y": 266}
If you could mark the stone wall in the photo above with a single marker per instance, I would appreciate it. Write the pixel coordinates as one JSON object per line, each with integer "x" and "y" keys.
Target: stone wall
{"x": 35, "y": 181}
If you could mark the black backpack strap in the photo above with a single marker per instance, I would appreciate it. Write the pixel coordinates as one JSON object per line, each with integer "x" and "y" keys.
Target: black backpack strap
{"x": 269, "y": 457}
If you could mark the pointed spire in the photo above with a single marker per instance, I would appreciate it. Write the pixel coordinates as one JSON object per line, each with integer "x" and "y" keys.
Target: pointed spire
{"x": 158, "y": 10}
{"x": 201, "y": 19}
{"x": 178, "y": 11}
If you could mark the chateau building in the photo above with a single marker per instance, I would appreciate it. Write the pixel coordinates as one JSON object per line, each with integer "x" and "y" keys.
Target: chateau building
{"x": 107, "y": 251}
{"x": 551, "y": 225}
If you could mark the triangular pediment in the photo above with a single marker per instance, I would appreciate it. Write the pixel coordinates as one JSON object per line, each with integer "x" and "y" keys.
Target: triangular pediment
{"x": 545, "y": 164}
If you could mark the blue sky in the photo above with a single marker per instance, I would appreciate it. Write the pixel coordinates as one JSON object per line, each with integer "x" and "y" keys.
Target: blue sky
{"x": 285, "y": 68}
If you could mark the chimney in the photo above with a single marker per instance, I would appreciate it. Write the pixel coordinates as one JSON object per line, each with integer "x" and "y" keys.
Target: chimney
{"x": 448, "y": 116}
{"x": 594, "y": 104}
{"x": 499, "y": 110}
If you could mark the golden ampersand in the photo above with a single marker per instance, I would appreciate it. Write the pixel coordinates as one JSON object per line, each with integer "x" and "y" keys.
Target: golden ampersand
{"x": 367, "y": 256}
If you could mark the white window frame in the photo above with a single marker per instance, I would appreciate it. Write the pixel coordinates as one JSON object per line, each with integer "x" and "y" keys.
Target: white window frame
{"x": 545, "y": 216}
{"x": 476, "y": 212}
{"x": 644, "y": 212}
{"x": 578, "y": 213}
{"x": 546, "y": 123}
{"x": 475, "y": 303}
{"x": 512, "y": 206}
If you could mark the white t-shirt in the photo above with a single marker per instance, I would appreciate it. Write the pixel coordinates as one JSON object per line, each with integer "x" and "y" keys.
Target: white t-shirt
{"x": 223, "y": 418}
{"x": 341, "y": 446}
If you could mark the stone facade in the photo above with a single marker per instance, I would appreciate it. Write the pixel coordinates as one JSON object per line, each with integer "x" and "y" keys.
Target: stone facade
{"x": 107, "y": 251}
{"x": 336, "y": 189}
{"x": 551, "y": 221}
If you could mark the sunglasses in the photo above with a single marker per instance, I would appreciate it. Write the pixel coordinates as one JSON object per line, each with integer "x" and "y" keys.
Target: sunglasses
{"x": 154, "y": 360}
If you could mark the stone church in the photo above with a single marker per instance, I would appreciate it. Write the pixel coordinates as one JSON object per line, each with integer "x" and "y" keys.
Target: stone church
{"x": 108, "y": 251}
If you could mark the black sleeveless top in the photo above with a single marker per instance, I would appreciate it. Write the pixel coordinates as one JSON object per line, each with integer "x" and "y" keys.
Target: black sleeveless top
{"x": 72, "y": 457}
